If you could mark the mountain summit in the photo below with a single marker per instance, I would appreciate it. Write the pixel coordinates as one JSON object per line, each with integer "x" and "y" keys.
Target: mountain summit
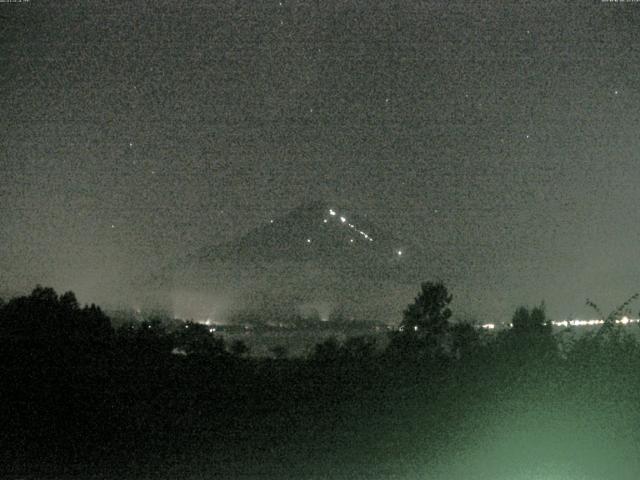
{"x": 317, "y": 254}
{"x": 312, "y": 232}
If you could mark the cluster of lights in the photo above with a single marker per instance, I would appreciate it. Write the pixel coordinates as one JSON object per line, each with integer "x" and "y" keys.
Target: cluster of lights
{"x": 415, "y": 328}
{"x": 344, "y": 221}
{"x": 583, "y": 323}
{"x": 574, "y": 323}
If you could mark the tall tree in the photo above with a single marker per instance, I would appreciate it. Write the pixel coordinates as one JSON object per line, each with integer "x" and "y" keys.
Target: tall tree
{"x": 530, "y": 342}
{"x": 425, "y": 323}
{"x": 430, "y": 312}
{"x": 534, "y": 321}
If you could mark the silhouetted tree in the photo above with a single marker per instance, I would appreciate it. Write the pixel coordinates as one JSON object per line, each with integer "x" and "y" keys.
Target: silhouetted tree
{"x": 534, "y": 321}
{"x": 611, "y": 347}
{"x": 530, "y": 342}
{"x": 430, "y": 312}
{"x": 69, "y": 301}
{"x": 617, "y": 313}
{"x": 43, "y": 317}
{"x": 425, "y": 324}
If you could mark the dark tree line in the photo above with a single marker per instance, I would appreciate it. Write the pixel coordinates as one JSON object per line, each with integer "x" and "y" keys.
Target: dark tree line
{"x": 78, "y": 394}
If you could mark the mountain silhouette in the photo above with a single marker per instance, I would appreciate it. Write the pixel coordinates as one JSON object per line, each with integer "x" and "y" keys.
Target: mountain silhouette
{"x": 312, "y": 232}
{"x": 318, "y": 255}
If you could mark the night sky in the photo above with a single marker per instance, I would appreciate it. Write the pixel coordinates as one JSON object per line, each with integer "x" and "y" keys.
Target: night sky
{"x": 506, "y": 137}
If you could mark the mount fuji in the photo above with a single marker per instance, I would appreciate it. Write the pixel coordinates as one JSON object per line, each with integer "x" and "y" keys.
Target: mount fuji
{"x": 316, "y": 258}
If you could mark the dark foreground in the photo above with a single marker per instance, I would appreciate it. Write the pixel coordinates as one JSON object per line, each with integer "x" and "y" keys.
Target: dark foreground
{"x": 122, "y": 405}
